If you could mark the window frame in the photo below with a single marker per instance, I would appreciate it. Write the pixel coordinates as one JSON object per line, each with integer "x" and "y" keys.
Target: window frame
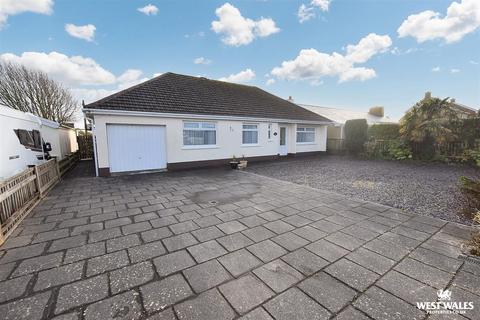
{"x": 305, "y": 131}
{"x": 270, "y": 132}
{"x": 250, "y": 130}
{"x": 202, "y": 129}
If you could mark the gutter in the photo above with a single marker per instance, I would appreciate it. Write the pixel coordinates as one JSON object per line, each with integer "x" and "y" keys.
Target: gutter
{"x": 195, "y": 116}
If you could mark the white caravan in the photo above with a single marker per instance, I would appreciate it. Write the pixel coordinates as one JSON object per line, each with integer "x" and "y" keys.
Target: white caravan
{"x": 21, "y": 141}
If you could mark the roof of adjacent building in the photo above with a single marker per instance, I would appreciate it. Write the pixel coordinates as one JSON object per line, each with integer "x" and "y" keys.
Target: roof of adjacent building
{"x": 182, "y": 94}
{"x": 342, "y": 115}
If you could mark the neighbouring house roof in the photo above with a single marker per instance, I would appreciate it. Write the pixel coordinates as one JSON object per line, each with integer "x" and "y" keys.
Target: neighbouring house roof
{"x": 181, "y": 94}
{"x": 342, "y": 115}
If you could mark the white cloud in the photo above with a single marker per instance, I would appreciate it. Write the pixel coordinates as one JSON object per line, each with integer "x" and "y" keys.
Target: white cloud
{"x": 368, "y": 47}
{"x": 307, "y": 12}
{"x": 461, "y": 19}
{"x": 91, "y": 95}
{"x": 86, "y": 32}
{"x": 312, "y": 65}
{"x": 270, "y": 81}
{"x": 474, "y": 62}
{"x": 74, "y": 70}
{"x": 130, "y": 78}
{"x": 13, "y": 7}
{"x": 149, "y": 9}
{"x": 454, "y": 70}
{"x": 238, "y": 30}
{"x": 202, "y": 60}
{"x": 322, "y": 4}
{"x": 157, "y": 74}
{"x": 436, "y": 69}
{"x": 243, "y": 76}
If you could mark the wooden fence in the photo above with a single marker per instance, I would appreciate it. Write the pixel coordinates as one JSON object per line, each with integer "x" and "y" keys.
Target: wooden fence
{"x": 20, "y": 193}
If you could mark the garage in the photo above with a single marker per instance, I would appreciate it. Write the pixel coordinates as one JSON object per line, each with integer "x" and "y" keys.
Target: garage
{"x": 136, "y": 147}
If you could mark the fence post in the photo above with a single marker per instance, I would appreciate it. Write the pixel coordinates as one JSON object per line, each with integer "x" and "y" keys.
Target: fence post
{"x": 2, "y": 238}
{"x": 37, "y": 181}
{"x": 57, "y": 168}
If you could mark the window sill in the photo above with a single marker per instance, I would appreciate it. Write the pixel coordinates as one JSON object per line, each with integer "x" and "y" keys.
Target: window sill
{"x": 250, "y": 145}
{"x": 306, "y": 143}
{"x": 200, "y": 147}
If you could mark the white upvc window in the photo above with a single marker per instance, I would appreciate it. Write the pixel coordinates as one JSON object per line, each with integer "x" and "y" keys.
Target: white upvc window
{"x": 270, "y": 132}
{"x": 305, "y": 135}
{"x": 199, "y": 133}
{"x": 250, "y": 134}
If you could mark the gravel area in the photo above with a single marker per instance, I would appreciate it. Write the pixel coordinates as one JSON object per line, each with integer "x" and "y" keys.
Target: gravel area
{"x": 423, "y": 188}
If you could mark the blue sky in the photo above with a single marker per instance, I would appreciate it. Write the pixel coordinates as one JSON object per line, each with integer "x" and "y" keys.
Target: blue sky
{"x": 112, "y": 44}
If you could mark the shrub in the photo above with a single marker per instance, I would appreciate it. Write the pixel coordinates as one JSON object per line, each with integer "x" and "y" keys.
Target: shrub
{"x": 390, "y": 150}
{"x": 377, "y": 111}
{"x": 469, "y": 130}
{"x": 470, "y": 189}
{"x": 399, "y": 150}
{"x": 384, "y": 131}
{"x": 355, "y": 135}
{"x": 471, "y": 156}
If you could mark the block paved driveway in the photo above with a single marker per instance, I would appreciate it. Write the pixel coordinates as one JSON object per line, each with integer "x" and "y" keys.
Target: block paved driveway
{"x": 219, "y": 244}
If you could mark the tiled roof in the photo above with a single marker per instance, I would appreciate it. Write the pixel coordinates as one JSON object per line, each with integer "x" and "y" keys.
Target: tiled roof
{"x": 175, "y": 93}
{"x": 342, "y": 115}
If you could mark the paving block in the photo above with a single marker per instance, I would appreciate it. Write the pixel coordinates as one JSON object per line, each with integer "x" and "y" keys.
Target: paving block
{"x": 13, "y": 288}
{"x": 31, "y": 308}
{"x": 352, "y": 274}
{"x": 266, "y": 250}
{"x": 231, "y": 227}
{"x": 161, "y": 294}
{"x": 59, "y": 276}
{"x": 82, "y": 292}
{"x": 84, "y": 252}
{"x": 122, "y": 306}
{"x": 206, "y": 275}
{"x": 179, "y": 242}
{"x": 107, "y": 262}
{"x": 258, "y": 233}
{"x": 207, "y": 234}
{"x": 278, "y": 275}
{"x": 424, "y": 273}
{"x": 295, "y": 305}
{"x": 371, "y": 260}
{"x": 173, "y": 262}
{"x": 209, "y": 305}
{"x": 131, "y": 276}
{"x": 239, "y": 262}
{"x": 245, "y": 293}
{"x": 124, "y": 242}
{"x": 146, "y": 251}
{"x": 327, "y": 250}
{"x": 328, "y": 291}
{"x": 235, "y": 241}
{"x": 38, "y": 263}
{"x": 206, "y": 251}
{"x": 290, "y": 241}
{"x": 380, "y": 304}
{"x": 305, "y": 261}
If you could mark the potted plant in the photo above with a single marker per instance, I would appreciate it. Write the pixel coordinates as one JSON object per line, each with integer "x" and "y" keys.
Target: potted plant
{"x": 234, "y": 163}
{"x": 243, "y": 163}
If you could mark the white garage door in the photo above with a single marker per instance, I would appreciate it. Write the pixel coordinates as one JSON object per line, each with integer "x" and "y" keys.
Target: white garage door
{"x": 136, "y": 147}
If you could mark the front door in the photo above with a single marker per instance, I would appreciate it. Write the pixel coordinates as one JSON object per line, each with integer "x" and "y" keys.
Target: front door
{"x": 283, "y": 141}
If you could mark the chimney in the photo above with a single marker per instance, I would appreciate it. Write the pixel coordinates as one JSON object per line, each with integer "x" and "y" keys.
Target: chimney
{"x": 377, "y": 111}
{"x": 452, "y": 100}
{"x": 428, "y": 95}
{"x": 290, "y": 98}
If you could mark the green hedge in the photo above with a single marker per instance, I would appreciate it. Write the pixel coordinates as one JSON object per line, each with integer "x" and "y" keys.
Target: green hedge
{"x": 355, "y": 135}
{"x": 384, "y": 131}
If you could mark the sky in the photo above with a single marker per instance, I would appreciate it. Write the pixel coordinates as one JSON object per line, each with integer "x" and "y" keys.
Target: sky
{"x": 351, "y": 54}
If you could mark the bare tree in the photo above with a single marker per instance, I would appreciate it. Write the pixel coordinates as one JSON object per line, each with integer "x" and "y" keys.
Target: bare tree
{"x": 33, "y": 91}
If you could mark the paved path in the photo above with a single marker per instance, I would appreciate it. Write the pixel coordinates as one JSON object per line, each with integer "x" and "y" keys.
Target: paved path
{"x": 224, "y": 245}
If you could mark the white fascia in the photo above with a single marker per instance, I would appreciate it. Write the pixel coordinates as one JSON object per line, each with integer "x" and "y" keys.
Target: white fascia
{"x": 194, "y": 116}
